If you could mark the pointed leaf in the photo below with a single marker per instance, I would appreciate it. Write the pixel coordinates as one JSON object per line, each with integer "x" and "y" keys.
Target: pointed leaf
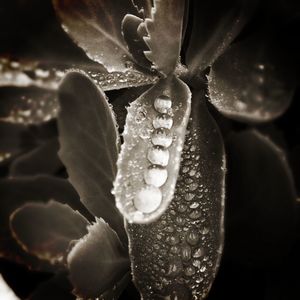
{"x": 40, "y": 160}
{"x": 46, "y": 230}
{"x": 134, "y": 159}
{"x": 215, "y": 25}
{"x": 261, "y": 201}
{"x": 178, "y": 255}
{"x": 135, "y": 42}
{"x": 88, "y": 140}
{"x": 246, "y": 85}
{"x": 165, "y": 34}
{"x": 97, "y": 261}
{"x": 96, "y": 27}
{"x": 5, "y": 291}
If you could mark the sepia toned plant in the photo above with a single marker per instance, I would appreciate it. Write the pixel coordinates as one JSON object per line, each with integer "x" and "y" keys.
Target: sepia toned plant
{"x": 152, "y": 200}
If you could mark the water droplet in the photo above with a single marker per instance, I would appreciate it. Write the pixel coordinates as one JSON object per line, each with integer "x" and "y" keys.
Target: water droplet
{"x": 162, "y": 121}
{"x": 155, "y": 176}
{"x": 197, "y": 263}
{"x": 162, "y": 137}
{"x": 189, "y": 271}
{"x": 194, "y": 205}
{"x": 158, "y": 156}
{"x": 198, "y": 253}
{"x": 173, "y": 239}
{"x": 182, "y": 208}
{"x": 180, "y": 221}
{"x": 205, "y": 230}
{"x": 189, "y": 196}
{"x": 186, "y": 252}
{"x": 192, "y": 238}
{"x": 148, "y": 199}
{"x": 140, "y": 115}
{"x": 193, "y": 186}
{"x": 195, "y": 214}
{"x": 175, "y": 249}
{"x": 202, "y": 269}
{"x": 162, "y": 104}
{"x": 175, "y": 267}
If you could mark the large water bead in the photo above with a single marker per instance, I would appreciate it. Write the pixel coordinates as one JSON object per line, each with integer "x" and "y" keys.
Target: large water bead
{"x": 156, "y": 176}
{"x": 162, "y": 121}
{"x": 162, "y": 104}
{"x": 148, "y": 199}
{"x": 162, "y": 137}
{"x": 158, "y": 156}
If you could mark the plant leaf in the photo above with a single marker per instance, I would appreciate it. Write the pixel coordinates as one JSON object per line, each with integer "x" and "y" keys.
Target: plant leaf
{"x": 133, "y": 163}
{"x": 165, "y": 34}
{"x": 88, "y": 138}
{"x": 178, "y": 255}
{"x": 246, "y": 85}
{"x": 97, "y": 261}
{"x": 215, "y": 25}
{"x": 40, "y": 160}
{"x": 261, "y": 201}
{"x": 135, "y": 42}
{"x": 46, "y": 230}
{"x": 96, "y": 26}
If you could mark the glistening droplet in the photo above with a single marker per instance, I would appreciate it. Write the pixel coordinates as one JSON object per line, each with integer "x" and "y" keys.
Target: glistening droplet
{"x": 162, "y": 121}
{"x": 155, "y": 176}
{"x": 148, "y": 199}
{"x": 158, "y": 156}
{"x": 162, "y": 104}
{"x": 162, "y": 137}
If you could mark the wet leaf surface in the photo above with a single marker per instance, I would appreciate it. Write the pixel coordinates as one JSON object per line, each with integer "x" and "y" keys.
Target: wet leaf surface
{"x": 178, "y": 255}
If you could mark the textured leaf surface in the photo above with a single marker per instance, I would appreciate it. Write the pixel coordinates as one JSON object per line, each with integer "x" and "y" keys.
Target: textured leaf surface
{"x": 165, "y": 34}
{"x": 15, "y": 193}
{"x": 46, "y": 230}
{"x": 177, "y": 256}
{"x": 133, "y": 161}
{"x": 215, "y": 25}
{"x": 261, "y": 201}
{"x": 245, "y": 84}
{"x": 88, "y": 139}
{"x": 96, "y": 26}
{"x": 97, "y": 261}
{"x": 40, "y": 160}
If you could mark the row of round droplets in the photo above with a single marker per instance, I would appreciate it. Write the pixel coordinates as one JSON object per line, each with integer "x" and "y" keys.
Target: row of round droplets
{"x": 149, "y": 198}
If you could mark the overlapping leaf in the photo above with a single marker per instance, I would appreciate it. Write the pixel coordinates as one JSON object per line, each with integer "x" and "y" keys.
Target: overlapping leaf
{"x": 246, "y": 84}
{"x": 46, "y": 230}
{"x": 97, "y": 261}
{"x": 178, "y": 255}
{"x": 88, "y": 139}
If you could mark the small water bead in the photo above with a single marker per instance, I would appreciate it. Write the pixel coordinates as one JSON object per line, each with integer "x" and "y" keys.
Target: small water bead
{"x": 194, "y": 205}
{"x": 148, "y": 199}
{"x": 205, "y": 230}
{"x": 197, "y": 263}
{"x": 162, "y": 137}
{"x": 162, "y": 121}
{"x": 186, "y": 252}
{"x": 182, "y": 208}
{"x": 158, "y": 156}
{"x": 140, "y": 115}
{"x": 175, "y": 249}
{"x": 155, "y": 176}
{"x": 180, "y": 221}
{"x": 195, "y": 214}
{"x": 192, "y": 238}
{"x": 162, "y": 104}
{"x": 190, "y": 271}
{"x": 198, "y": 253}
{"x": 172, "y": 240}
{"x": 189, "y": 196}
{"x": 175, "y": 267}
{"x": 202, "y": 269}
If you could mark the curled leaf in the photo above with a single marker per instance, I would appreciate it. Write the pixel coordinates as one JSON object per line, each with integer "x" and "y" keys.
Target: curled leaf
{"x": 96, "y": 26}
{"x": 46, "y": 230}
{"x": 88, "y": 138}
{"x": 144, "y": 7}
{"x": 246, "y": 85}
{"x": 97, "y": 261}
{"x": 152, "y": 140}
{"x": 165, "y": 34}
{"x": 215, "y": 25}
{"x": 177, "y": 256}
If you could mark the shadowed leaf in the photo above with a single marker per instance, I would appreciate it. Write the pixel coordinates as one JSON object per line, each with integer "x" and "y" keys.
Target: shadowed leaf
{"x": 215, "y": 25}
{"x": 261, "y": 201}
{"x": 97, "y": 261}
{"x": 246, "y": 85}
{"x": 139, "y": 128}
{"x": 46, "y": 230}
{"x": 96, "y": 26}
{"x": 165, "y": 34}
{"x": 178, "y": 255}
{"x": 88, "y": 140}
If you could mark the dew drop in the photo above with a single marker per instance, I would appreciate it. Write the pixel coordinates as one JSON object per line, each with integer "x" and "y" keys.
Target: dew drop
{"x": 162, "y": 104}
{"x": 172, "y": 239}
{"x": 162, "y": 121}
{"x": 158, "y": 156}
{"x": 180, "y": 221}
{"x": 140, "y": 115}
{"x": 175, "y": 249}
{"x": 198, "y": 253}
{"x": 186, "y": 252}
{"x": 195, "y": 214}
{"x": 162, "y": 137}
{"x": 189, "y": 271}
{"x": 148, "y": 199}
{"x": 192, "y": 238}
{"x": 182, "y": 208}
{"x": 189, "y": 196}
{"x": 155, "y": 176}
{"x": 194, "y": 205}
